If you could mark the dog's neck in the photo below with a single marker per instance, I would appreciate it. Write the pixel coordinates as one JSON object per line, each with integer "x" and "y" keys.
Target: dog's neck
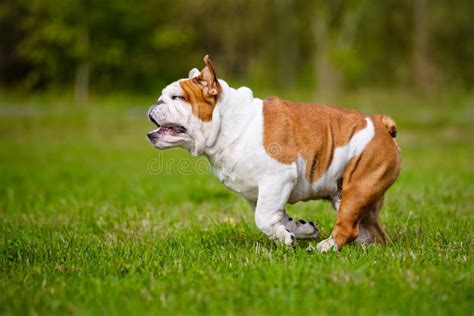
{"x": 230, "y": 118}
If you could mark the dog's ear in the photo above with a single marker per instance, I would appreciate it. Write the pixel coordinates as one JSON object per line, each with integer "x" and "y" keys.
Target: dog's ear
{"x": 208, "y": 74}
{"x": 193, "y": 73}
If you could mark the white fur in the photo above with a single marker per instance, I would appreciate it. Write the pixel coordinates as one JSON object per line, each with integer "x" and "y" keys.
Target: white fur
{"x": 233, "y": 143}
{"x": 327, "y": 245}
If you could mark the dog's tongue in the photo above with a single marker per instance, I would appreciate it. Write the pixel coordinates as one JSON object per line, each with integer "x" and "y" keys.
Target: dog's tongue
{"x": 163, "y": 130}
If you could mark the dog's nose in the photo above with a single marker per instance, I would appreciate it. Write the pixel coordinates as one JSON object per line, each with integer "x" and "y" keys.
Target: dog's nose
{"x": 160, "y": 102}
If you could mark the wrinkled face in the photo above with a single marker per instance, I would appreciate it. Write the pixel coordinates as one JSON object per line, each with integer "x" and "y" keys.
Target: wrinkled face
{"x": 184, "y": 110}
{"x": 172, "y": 114}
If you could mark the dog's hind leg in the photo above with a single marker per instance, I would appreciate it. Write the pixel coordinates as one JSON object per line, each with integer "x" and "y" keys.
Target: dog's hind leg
{"x": 361, "y": 201}
{"x": 365, "y": 180}
{"x": 301, "y": 228}
{"x": 370, "y": 230}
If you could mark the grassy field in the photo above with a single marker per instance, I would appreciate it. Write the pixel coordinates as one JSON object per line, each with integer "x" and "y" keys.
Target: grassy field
{"x": 93, "y": 220}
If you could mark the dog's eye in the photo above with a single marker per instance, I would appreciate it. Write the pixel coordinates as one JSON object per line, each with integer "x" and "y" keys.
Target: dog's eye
{"x": 177, "y": 97}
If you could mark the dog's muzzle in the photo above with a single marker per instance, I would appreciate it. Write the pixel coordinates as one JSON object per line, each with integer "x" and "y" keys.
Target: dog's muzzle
{"x": 165, "y": 128}
{"x": 152, "y": 109}
{"x": 150, "y": 116}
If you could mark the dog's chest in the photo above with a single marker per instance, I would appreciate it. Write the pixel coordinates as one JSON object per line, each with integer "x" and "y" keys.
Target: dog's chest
{"x": 237, "y": 177}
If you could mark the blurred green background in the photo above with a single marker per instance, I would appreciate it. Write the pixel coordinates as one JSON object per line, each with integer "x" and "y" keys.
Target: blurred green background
{"x": 87, "y": 227}
{"x": 94, "y": 47}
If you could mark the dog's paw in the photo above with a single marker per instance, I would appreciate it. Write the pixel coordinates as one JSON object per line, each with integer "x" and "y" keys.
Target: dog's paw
{"x": 302, "y": 229}
{"x": 327, "y": 245}
{"x": 285, "y": 237}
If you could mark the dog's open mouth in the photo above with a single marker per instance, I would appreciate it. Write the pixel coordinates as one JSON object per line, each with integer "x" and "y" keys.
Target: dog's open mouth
{"x": 165, "y": 129}
{"x": 171, "y": 129}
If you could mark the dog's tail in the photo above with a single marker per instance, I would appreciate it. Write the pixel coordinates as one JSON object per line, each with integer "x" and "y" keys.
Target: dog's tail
{"x": 389, "y": 124}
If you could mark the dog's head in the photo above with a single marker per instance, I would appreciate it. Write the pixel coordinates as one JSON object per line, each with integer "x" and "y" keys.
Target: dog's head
{"x": 184, "y": 111}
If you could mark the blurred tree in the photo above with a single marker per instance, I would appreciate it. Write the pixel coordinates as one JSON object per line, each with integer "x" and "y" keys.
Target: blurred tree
{"x": 13, "y": 68}
{"x": 56, "y": 43}
{"x": 320, "y": 45}
{"x": 325, "y": 28}
{"x": 98, "y": 42}
{"x": 334, "y": 28}
{"x": 422, "y": 65}
{"x": 452, "y": 44}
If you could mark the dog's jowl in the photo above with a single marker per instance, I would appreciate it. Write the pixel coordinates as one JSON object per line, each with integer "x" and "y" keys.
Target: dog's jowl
{"x": 274, "y": 152}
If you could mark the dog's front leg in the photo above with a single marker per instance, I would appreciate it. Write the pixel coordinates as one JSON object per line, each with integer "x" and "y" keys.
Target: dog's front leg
{"x": 269, "y": 213}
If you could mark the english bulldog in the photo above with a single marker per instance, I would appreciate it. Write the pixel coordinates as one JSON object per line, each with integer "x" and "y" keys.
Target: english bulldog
{"x": 273, "y": 152}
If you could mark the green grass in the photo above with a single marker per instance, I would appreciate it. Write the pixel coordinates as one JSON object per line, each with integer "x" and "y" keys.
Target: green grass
{"x": 89, "y": 226}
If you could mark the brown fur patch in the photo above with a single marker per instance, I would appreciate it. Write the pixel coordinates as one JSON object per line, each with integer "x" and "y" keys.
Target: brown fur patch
{"x": 203, "y": 91}
{"x": 308, "y": 130}
{"x": 201, "y": 103}
{"x": 388, "y": 122}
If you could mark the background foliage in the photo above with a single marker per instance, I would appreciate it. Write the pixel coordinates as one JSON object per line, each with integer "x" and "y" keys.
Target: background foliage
{"x": 311, "y": 45}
